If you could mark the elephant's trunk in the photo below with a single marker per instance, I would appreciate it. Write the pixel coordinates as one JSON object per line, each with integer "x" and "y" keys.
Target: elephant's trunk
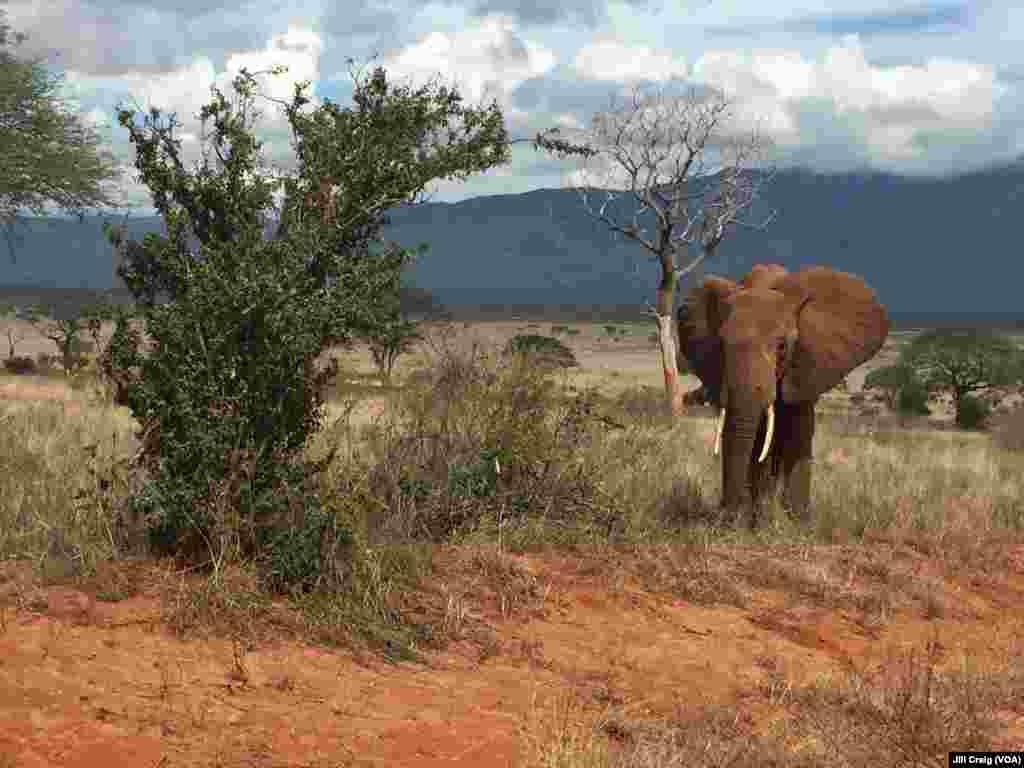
{"x": 769, "y": 432}
{"x": 738, "y": 443}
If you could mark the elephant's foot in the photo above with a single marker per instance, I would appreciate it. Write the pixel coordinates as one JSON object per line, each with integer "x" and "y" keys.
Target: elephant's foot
{"x": 797, "y": 497}
{"x": 800, "y": 514}
{"x": 748, "y": 514}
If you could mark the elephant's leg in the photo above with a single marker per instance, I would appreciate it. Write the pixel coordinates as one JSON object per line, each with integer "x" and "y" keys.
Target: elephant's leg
{"x": 796, "y": 456}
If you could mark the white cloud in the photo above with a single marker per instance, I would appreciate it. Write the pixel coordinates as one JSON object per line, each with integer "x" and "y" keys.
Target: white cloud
{"x": 298, "y": 49}
{"x": 888, "y": 107}
{"x": 610, "y": 60}
{"x": 186, "y": 89}
{"x": 487, "y": 61}
{"x": 96, "y": 118}
{"x": 914, "y": 93}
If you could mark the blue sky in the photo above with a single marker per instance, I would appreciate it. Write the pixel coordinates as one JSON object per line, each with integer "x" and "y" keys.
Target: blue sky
{"x": 906, "y": 87}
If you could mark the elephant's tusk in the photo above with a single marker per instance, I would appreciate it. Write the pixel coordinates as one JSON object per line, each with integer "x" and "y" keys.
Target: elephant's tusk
{"x": 719, "y": 429}
{"x": 769, "y": 432}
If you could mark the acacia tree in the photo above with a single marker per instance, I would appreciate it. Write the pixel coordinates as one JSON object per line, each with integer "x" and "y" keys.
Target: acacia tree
{"x": 49, "y": 154}
{"x": 963, "y": 362}
{"x": 662, "y": 146}
{"x": 227, "y": 392}
{"x": 64, "y": 328}
{"x": 891, "y": 380}
{"x": 397, "y": 335}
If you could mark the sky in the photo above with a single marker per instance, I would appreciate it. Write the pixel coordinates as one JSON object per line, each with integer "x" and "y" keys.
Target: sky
{"x": 932, "y": 88}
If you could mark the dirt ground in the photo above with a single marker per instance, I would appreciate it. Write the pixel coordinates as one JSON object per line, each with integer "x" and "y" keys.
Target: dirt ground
{"x": 101, "y": 685}
{"x": 92, "y": 684}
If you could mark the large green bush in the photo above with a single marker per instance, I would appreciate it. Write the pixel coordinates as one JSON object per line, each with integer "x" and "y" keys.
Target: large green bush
{"x": 227, "y": 391}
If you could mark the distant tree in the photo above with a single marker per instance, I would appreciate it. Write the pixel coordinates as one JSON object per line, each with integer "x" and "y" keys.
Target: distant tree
{"x": 890, "y": 380}
{"x": 12, "y": 312}
{"x": 545, "y": 350}
{"x": 49, "y": 154}
{"x": 973, "y": 413}
{"x": 912, "y": 399}
{"x": 227, "y": 394}
{"x": 679, "y": 162}
{"x": 93, "y": 316}
{"x": 396, "y": 335}
{"x": 65, "y": 331}
{"x": 395, "y": 339}
{"x": 963, "y": 362}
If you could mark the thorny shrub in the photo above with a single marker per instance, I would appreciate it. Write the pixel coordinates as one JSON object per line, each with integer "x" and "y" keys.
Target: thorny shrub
{"x": 482, "y": 440}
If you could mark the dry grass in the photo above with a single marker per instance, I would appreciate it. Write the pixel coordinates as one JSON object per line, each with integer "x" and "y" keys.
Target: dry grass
{"x": 906, "y": 712}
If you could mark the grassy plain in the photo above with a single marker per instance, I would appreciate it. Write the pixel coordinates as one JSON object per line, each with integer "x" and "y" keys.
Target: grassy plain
{"x": 581, "y": 608}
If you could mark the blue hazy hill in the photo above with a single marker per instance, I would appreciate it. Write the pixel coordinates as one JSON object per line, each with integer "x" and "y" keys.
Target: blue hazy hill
{"x": 927, "y": 245}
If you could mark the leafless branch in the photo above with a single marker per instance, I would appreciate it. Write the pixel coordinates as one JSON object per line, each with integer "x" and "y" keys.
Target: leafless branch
{"x": 667, "y": 153}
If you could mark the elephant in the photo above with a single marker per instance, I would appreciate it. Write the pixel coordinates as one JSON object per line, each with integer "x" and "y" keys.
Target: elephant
{"x": 765, "y": 350}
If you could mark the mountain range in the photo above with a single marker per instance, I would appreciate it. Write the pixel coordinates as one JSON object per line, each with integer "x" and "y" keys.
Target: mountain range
{"x": 946, "y": 246}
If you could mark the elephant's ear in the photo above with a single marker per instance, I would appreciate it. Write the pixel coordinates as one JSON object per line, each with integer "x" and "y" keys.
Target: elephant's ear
{"x": 840, "y": 325}
{"x": 705, "y": 311}
{"x": 706, "y": 306}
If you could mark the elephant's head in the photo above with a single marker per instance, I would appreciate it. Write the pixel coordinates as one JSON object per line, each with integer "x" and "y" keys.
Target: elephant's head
{"x": 774, "y": 337}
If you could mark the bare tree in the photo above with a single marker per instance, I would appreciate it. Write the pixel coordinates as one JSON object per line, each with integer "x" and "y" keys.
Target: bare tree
{"x": 676, "y": 159}
{"x": 15, "y": 332}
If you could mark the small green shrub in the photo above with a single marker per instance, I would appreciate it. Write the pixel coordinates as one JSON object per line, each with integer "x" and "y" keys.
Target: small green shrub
{"x": 293, "y": 557}
{"x": 912, "y": 399}
{"x": 20, "y": 365}
{"x": 972, "y": 413}
{"x": 390, "y": 342}
{"x": 545, "y": 348}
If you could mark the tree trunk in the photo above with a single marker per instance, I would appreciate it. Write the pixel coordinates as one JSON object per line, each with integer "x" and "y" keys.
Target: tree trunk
{"x": 666, "y": 340}
{"x": 673, "y": 386}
